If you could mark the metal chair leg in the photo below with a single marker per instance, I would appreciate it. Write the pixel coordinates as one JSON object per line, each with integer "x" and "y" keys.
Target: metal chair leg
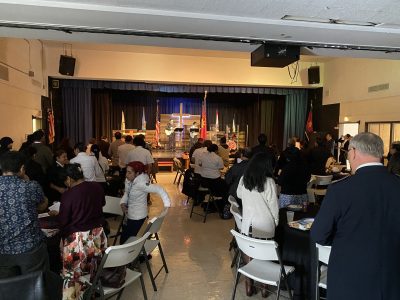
{"x": 235, "y": 286}
{"x": 162, "y": 256}
{"x": 150, "y": 272}
{"x": 142, "y": 282}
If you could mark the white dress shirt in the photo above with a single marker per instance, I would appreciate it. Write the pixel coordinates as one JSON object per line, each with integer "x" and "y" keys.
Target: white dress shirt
{"x": 90, "y": 166}
{"x": 104, "y": 167}
{"x": 211, "y": 165}
{"x": 135, "y": 196}
{"x": 260, "y": 210}
{"x": 123, "y": 151}
{"x": 140, "y": 154}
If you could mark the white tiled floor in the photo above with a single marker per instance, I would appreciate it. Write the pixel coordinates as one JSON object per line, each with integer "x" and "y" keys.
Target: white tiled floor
{"x": 196, "y": 253}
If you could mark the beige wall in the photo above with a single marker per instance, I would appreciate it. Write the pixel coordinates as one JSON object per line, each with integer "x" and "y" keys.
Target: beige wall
{"x": 20, "y": 97}
{"x": 347, "y": 81}
{"x": 138, "y": 63}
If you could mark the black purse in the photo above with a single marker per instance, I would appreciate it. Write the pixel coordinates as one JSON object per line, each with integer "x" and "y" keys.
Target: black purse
{"x": 113, "y": 277}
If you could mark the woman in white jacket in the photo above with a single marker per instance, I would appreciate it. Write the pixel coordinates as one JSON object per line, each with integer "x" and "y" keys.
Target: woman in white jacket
{"x": 260, "y": 211}
{"x": 134, "y": 201}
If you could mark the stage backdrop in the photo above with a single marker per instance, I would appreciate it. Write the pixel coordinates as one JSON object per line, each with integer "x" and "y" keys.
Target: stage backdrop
{"x": 93, "y": 108}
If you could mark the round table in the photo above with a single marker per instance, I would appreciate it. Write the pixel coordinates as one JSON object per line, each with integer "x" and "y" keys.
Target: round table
{"x": 298, "y": 250}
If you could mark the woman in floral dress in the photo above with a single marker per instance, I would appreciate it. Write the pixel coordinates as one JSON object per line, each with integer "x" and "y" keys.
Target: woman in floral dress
{"x": 83, "y": 238}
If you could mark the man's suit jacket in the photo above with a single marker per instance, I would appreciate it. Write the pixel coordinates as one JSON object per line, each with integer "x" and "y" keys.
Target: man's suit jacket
{"x": 360, "y": 218}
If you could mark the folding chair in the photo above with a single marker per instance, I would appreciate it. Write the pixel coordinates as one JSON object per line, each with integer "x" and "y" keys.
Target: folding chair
{"x": 113, "y": 207}
{"x": 210, "y": 199}
{"x": 263, "y": 267}
{"x": 180, "y": 170}
{"x": 323, "y": 253}
{"x": 116, "y": 256}
{"x": 234, "y": 209}
{"x": 152, "y": 243}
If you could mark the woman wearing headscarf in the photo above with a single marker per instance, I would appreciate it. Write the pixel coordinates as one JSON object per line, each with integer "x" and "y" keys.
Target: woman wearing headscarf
{"x": 134, "y": 201}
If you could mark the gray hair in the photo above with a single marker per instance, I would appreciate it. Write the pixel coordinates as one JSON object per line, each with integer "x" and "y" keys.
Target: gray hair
{"x": 368, "y": 143}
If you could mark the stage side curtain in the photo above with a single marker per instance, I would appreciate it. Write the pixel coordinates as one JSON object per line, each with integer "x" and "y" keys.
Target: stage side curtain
{"x": 102, "y": 113}
{"x": 272, "y": 119}
{"x": 77, "y": 114}
{"x": 295, "y": 115}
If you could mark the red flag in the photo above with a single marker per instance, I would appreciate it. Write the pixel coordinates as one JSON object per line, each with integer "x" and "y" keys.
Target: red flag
{"x": 309, "y": 124}
{"x": 50, "y": 121}
{"x": 203, "y": 131}
{"x": 157, "y": 135}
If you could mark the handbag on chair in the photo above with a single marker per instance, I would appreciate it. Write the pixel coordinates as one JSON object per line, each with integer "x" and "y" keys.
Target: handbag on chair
{"x": 113, "y": 277}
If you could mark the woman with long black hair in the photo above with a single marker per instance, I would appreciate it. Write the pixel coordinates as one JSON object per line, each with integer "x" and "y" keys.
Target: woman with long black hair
{"x": 260, "y": 211}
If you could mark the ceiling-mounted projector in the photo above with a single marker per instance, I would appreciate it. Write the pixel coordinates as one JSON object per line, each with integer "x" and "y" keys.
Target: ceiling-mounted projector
{"x": 275, "y": 55}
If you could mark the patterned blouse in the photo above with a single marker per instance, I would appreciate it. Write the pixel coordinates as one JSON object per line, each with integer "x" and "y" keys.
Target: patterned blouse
{"x": 20, "y": 232}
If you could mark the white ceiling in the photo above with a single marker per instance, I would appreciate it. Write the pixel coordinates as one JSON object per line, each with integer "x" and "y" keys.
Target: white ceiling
{"x": 239, "y": 21}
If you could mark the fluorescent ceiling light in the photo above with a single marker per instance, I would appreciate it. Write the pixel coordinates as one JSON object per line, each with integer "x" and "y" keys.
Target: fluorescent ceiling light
{"x": 327, "y": 21}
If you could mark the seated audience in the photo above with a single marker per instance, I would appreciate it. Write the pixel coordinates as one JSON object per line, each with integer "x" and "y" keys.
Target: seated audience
{"x": 232, "y": 177}
{"x": 211, "y": 165}
{"x": 134, "y": 201}
{"x": 293, "y": 179}
{"x": 260, "y": 211}
{"x": 33, "y": 169}
{"x": 394, "y": 148}
{"x": 22, "y": 244}
{"x": 223, "y": 151}
{"x": 197, "y": 153}
{"x": 83, "y": 239}
{"x": 197, "y": 145}
{"x": 89, "y": 164}
{"x": 66, "y": 146}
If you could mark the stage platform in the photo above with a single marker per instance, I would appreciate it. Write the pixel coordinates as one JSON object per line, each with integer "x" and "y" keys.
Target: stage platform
{"x": 165, "y": 158}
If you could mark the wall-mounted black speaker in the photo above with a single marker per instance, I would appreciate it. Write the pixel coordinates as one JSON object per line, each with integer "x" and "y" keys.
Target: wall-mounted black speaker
{"x": 313, "y": 75}
{"x": 67, "y": 65}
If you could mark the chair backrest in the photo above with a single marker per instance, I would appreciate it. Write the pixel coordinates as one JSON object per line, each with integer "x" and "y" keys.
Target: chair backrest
{"x": 323, "y": 253}
{"x": 310, "y": 191}
{"x": 154, "y": 225}
{"x": 237, "y": 216}
{"x": 233, "y": 201}
{"x": 256, "y": 248}
{"x": 112, "y": 206}
{"x": 322, "y": 180}
{"x": 178, "y": 164}
{"x": 122, "y": 255}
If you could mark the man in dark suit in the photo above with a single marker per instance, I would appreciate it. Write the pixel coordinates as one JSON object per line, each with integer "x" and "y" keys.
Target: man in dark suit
{"x": 360, "y": 218}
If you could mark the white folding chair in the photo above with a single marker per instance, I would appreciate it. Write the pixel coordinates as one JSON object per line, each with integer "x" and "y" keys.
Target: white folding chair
{"x": 233, "y": 201}
{"x": 323, "y": 253}
{"x": 320, "y": 184}
{"x": 266, "y": 266}
{"x": 113, "y": 207}
{"x": 238, "y": 227}
{"x": 152, "y": 243}
{"x": 116, "y": 256}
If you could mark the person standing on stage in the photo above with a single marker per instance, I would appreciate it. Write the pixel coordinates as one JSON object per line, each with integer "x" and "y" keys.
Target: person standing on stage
{"x": 359, "y": 217}
{"x": 193, "y": 134}
{"x": 169, "y": 131}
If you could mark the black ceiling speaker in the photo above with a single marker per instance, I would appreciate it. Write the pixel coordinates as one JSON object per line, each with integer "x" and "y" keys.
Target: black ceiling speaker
{"x": 67, "y": 65}
{"x": 313, "y": 75}
{"x": 275, "y": 55}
